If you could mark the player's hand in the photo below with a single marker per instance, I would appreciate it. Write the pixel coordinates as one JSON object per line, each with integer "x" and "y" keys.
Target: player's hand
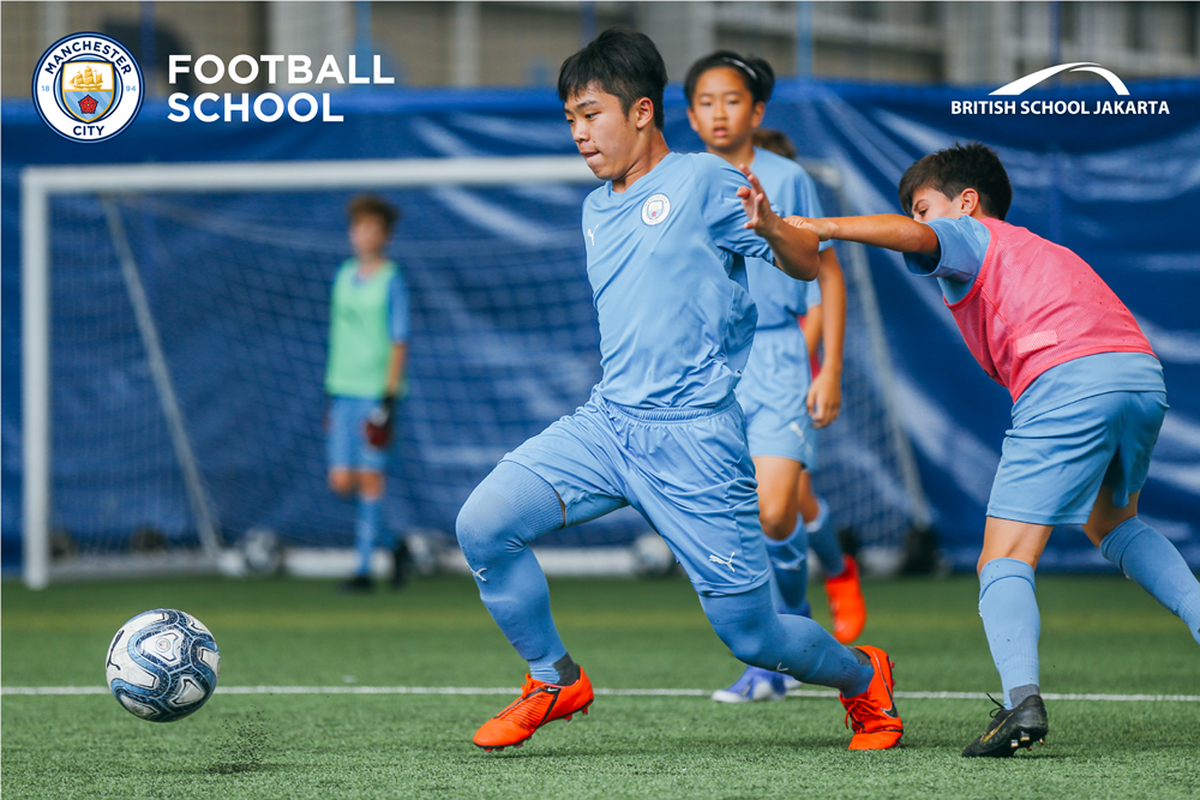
{"x": 823, "y": 228}
{"x": 754, "y": 200}
{"x": 378, "y": 428}
{"x": 824, "y": 398}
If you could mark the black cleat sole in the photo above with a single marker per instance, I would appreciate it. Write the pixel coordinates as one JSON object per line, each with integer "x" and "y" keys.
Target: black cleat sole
{"x": 1012, "y": 730}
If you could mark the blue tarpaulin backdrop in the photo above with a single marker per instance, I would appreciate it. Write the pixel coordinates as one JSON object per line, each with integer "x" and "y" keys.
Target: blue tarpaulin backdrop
{"x": 1121, "y": 190}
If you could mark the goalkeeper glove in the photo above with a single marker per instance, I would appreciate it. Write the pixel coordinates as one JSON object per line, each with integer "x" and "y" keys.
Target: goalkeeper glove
{"x": 378, "y": 428}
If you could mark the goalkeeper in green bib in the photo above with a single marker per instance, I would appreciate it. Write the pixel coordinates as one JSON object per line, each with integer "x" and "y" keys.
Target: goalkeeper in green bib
{"x": 365, "y": 377}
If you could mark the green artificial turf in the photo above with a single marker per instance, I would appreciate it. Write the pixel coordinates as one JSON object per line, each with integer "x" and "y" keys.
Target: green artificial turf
{"x": 1099, "y": 635}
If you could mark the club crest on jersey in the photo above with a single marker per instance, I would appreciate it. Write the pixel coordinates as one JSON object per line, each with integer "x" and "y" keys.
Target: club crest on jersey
{"x": 655, "y": 209}
{"x": 87, "y": 87}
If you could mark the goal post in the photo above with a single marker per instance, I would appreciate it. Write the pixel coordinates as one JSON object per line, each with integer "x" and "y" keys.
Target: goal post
{"x": 123, "y": 207}
{"x": 40, "y": 184}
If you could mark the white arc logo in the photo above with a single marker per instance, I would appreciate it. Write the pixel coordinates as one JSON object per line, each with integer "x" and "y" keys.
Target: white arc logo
{"x": 1021, "y": 85}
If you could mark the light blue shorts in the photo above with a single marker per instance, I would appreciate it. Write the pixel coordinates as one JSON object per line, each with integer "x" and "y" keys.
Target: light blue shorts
{"x": 773, "y": 392}
{"x": 1053, "y": 465}
{"x": 686, "y": 470}
{"x": 346, "y": 445}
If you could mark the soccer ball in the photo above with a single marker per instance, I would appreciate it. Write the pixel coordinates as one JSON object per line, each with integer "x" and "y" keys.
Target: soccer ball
{"x": 162, "y": 665}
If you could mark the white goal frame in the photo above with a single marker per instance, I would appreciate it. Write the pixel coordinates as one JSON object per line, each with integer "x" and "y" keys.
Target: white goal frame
{"x": 40, "y": 184}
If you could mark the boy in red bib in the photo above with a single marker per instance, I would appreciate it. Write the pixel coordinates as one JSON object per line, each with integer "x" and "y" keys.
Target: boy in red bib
{"x": 1088, "y": 402}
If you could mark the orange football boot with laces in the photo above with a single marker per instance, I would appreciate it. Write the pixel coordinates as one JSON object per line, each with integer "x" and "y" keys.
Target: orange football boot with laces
{"x": 847, "y": 606}
{"x": 538, "y": 704}
{"x": 872, "y": 715}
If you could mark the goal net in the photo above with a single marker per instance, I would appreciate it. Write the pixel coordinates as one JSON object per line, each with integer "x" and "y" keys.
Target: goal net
{"x": 175, "y": 323}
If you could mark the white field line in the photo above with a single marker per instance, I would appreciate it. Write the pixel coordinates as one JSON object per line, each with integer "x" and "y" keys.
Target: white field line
{"x": 376, "y": 690}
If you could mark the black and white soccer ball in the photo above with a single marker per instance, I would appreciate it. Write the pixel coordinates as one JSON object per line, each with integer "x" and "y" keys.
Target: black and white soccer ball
{"x": 162, "y": 665}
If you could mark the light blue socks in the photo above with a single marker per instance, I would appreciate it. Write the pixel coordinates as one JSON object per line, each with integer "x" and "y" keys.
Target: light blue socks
{"x": 756, "y": 634}
{"x": 366, "y": 531}
{"x": 824, "y": 541}
{"x": 501, "y": 518}
{"x": 1149, "y": 559}
{"x": 789, "y": 565}
{"x": 1008, "y": 606}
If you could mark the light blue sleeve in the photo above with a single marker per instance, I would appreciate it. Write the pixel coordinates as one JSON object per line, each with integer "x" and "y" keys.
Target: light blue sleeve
{"x": 398, "y": 308}
{"x": 812, "y": 293}
{"x": 717, "y": 182}
{"x": 963, "y": 243}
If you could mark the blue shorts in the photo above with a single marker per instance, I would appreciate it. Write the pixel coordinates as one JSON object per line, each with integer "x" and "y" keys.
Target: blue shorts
{"x": 1053, "y": 465}
{"x": 686, "y": 470}
{"x": 773, "y": 392}
{"x": 346, "y": 445}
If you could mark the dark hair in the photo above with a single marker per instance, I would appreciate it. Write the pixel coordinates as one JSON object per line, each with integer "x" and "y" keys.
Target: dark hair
{"x": 756, "y": 72}
{"x": 963, "y": 166}
{"x": 621, "y": 62}
{"x": 370, "y": 205}
{"x": 775, "y": 141}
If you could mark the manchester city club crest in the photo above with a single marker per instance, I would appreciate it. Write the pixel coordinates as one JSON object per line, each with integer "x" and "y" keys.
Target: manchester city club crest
{"x": 88, "y": 87}
{"x": 655, "y": 209}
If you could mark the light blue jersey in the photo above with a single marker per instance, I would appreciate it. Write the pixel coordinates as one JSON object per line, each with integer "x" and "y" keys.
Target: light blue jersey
{"x": 963, "y": 242}
{"x": 775, "y": 387}
{"x": 666, "y": 260}
{"x": 779, "y": 298}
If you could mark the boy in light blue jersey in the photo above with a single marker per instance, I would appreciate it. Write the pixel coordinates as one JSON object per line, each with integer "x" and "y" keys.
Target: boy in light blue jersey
{"x": 666, "y": 240}
{"x": 727, "y": 94}
{"x": 364, "y": 375}
{"x": 1088, "y": 403}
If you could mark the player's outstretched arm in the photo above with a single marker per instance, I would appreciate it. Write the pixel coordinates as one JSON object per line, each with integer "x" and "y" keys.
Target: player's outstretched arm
{"x": 795, "y": 247}
{"x": 890, "y": 231}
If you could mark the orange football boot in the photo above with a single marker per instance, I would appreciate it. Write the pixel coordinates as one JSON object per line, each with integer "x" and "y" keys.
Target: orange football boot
{"x": 846, "y": 603}
{"x": 872, "y": 715}
{"x": 538, "y": 704}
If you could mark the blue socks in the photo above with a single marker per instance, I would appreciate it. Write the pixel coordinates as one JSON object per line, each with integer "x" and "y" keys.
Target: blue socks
{"x": 750, "y": 627}
{"x": 366, "y": 530}
{"x": 1012, "y": 623}
{"x": 1150, "y": 560}
{"x": 505, "y": 513}
{"x": 825, "y": 542}
{"x": 789, "y": 565}
{"x": 1009, "y": 609}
